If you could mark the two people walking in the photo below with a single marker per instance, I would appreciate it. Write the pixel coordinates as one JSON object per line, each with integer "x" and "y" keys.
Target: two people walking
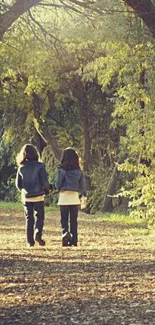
{"x": 32, "y": 182}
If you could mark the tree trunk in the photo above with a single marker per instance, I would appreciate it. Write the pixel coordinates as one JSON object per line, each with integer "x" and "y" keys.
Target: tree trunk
{"x": 86, "y": 141}
{"x": 80, "y": 93}
{"x": 145, "y": 10}
{"x": 40, "y": 143}
{"x": 107, "y": 204}
{"x": 47, "y": 135}
{"x": 42, "y": 127}
{"x": 11, "y": 15}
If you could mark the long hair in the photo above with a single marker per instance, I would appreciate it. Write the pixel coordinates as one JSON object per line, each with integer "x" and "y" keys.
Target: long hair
{"x": 69, "y": 159}
{"x": 27, "y": 153}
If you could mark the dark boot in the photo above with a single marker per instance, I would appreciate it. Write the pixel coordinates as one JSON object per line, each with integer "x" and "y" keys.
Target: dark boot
{"x": 40, "y": 241}
{"x": 66, "y": 239}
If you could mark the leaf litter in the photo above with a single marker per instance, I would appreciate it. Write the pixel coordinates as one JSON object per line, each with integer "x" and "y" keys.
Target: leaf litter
{"x": 108, "y": 279}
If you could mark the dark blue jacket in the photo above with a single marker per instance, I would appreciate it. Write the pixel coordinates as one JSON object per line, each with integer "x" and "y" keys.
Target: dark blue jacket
{"x": 70, "y": 180}
{"x": 32, "y": 177}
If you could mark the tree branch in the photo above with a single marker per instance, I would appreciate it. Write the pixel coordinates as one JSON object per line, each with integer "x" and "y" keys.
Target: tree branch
{"x": 10, "y": 16}
{"x": 63, "y": 6}
{"x": 43, "y": 30}
{"x": 145, "y": 10}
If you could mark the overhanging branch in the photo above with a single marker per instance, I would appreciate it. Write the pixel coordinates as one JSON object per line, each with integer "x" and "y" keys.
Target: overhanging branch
{"x": 145, "y": 10}
{"x": 13, "y": 13}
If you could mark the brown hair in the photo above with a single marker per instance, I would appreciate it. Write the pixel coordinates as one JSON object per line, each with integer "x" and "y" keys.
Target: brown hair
{"x": 69, "y": 159}
{"x": 27, "y": 153}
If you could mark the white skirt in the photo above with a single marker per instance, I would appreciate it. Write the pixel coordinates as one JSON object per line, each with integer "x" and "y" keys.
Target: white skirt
{"x": 68, "y": 198}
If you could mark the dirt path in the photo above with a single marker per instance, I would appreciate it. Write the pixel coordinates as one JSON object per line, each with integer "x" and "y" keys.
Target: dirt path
{"x": 108, "y": 279}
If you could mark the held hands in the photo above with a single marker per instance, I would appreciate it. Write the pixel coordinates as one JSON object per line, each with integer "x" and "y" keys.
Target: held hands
{"x": 48, "y": 191}
{"x": 51, "y": 187}
{"x": 83, "y": 202}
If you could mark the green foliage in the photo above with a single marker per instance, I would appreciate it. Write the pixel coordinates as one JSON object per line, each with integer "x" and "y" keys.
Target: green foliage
{"x": 99, "y": 187}
{"x": 130, "y": 70}
{"x": 8, "y": 192}
{"x": 7, "y": 173}
{"x": 58, "y": 66}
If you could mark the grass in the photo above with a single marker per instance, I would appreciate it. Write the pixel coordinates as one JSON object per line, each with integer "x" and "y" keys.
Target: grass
{"x": 139, "y": 232}
{"x": 116, "y": 217}
{"x": 18, "y": 206}
{"x": 10, "y": 205}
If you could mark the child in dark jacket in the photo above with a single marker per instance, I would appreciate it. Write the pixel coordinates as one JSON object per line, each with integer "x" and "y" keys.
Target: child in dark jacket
{"x": 32, "y": 181}
{"x": 69, "y": 182}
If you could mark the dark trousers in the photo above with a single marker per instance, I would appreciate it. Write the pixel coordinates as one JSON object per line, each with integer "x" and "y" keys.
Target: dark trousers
{"x": 34, "y": 214}
{"x": 71, "y": 211}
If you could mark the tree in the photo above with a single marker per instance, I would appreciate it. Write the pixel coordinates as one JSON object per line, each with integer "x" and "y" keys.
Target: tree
{"x": 145, "y": 9}
{"x": 48, "y": 85}
{"x": 11, "y": 13}
{"x": 134, "y": 111}
{"x": 46, "y": 88}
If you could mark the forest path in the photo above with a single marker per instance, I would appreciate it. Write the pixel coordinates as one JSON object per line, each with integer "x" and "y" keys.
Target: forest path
{"x": 108, "y": 279}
